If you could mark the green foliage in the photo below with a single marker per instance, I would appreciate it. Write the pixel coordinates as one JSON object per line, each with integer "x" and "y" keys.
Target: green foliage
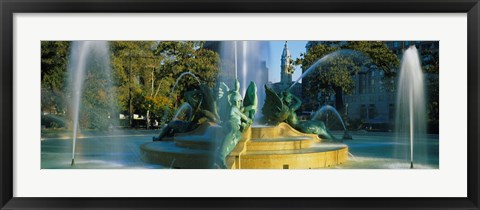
{"x": 97, "y": 103}
{"x": 53, "y": 101}
{"x": 189, "y": 56}
{"x": 132, "y": 64}
{"x": 180, "y": 57}
{"x": 379, "y": 53}
{"x": 430, "y": 61}
{"x": 146, "y": 72}
{"x": 337, "y": 71}
{"x": 53, "y": 121}
{"x": 430, "y": 65}
{"x": 54, "y": 61}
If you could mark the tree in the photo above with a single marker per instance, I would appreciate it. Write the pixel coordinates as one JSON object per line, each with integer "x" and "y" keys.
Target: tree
{"x": 186, "y": 56}
{"x": 133, "y": 62}
{"x": 189, "y": 56}
{"x": 54, "y": 61}
{"x": 337, "y": 70}
{"x": 146, "y": 72}
{"x": 143, "y": 73}
{"x": 97, "y": 102}
{"x": 430, "y": 66}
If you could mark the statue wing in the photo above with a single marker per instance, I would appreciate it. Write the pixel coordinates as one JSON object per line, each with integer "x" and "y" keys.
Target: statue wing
{"x": 223, "y": 104}
{"x": 250, "y": 101}
{"x": 273, "y": 109}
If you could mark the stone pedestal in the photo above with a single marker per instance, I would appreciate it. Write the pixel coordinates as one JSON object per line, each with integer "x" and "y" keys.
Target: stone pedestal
{"x": 261, "y": 147}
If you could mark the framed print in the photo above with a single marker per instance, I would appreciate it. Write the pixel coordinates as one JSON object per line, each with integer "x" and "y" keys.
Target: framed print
{"x": 239, "y": 105}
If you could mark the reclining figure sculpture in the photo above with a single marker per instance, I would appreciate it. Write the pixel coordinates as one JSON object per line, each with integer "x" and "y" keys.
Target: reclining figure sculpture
{"x": 201, "y": 101}
{"x": 281, "y": 108}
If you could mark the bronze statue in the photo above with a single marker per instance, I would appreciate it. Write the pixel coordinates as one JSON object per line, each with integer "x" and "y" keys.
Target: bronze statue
{"x": 204, "y": 109}
{"x": 282, "y": 109}
{"x": 240, "y": 117}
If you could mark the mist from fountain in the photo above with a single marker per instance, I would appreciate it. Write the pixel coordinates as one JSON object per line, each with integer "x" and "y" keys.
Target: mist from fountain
{"x": 246, "y": 61}
{"x": 410, "y": 123}
{"x": 92, "y": 58}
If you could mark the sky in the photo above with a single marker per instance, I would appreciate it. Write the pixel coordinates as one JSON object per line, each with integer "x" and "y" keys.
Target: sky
{"x": 276, "y": 49}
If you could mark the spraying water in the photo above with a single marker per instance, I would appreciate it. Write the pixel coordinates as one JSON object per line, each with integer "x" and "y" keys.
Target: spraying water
{"x": 78, "y": 69}
{"x": 185, "y": 109}
{"x": 87, "y": 55}
{"x": 411, "y": 103}
{"x": 236, "y": 61}
{"x": 246, "y": 61}
{"x": 164, "y": 119}
{"x": 327, "y": 108}
{"x": 355, "y": 56}
{"x": 244, "y": 67}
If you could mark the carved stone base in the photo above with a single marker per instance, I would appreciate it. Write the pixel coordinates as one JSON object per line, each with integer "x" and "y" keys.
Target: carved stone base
{"x": 261, "y": 147}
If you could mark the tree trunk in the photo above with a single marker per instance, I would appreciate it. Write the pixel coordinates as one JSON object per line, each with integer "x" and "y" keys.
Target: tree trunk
{"x": 130, "y": 98}
{"x": 338, "y": 98}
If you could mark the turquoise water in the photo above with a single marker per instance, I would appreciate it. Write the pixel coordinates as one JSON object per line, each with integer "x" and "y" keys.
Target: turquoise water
{"x": 378, "y": 150}
{"x": 122, "y": 151}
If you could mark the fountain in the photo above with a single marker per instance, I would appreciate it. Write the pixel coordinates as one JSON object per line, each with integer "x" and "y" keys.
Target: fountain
{"x": 356, "y": 57}
{"x": 233, "y": 142}
{"x": 411, "y": 108}
{"x": 327, "y": 108}
{"x": 87, "y": 56}
{"x": 204, "y": 132}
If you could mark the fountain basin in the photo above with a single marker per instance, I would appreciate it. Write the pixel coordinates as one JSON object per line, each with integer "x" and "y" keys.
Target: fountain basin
{"x": 261, "y": 147}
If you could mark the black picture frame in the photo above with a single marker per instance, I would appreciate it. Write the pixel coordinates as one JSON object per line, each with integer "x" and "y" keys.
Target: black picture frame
{"x": 10, "y": 7}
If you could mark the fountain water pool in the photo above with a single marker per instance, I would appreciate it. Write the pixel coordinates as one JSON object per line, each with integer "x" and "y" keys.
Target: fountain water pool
{"x": 411, "y": 138}
{"x": 284, "y": 146}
